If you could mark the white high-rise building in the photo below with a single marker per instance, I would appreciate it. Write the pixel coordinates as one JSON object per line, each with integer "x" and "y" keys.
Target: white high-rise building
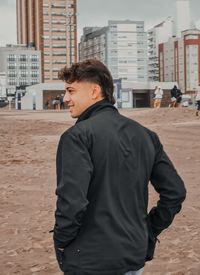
{"x": 156, "y": 35}
{"x": 127, "y": 51}
{"x": 122, "y": 46}
{"x": 182, "y": 18}
{"x": 2, "y": 85}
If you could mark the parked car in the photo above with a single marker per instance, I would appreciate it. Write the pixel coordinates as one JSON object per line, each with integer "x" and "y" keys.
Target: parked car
{"x": 3, "y": 102}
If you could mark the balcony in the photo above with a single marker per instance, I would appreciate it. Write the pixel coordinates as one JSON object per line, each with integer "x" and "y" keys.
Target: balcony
{"x": 59, "y": 54}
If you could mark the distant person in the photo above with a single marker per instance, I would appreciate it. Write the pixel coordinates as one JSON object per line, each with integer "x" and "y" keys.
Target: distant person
{"x": 62, "y": 103}
{"x": 46, "y": 105}
{"x": 158, "y": 94}
{"x": 176, "y": 97}
{"x": 56, "y": 103}
{"x": 104, "y": 164}
{"x": 197, "y": 98}
{"x": 173, "y": 96}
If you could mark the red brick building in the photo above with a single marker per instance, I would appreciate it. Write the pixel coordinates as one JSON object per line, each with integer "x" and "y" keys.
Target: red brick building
{"x": 179, "y": 60}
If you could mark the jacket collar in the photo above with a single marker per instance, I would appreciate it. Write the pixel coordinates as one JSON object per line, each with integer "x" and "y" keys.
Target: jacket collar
{"x": 90, "y": 111}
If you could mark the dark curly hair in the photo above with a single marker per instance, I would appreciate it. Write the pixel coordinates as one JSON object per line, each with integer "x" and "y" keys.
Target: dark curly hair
{"x": 90, "y": 70}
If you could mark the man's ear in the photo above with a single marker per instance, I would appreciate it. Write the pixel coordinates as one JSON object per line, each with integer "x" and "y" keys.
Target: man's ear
{"x": 96, "y": 92}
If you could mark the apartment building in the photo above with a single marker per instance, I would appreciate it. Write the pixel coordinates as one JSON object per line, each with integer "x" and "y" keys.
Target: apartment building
{"x": 179, "y": 60}
{"x": 122, "y": 46}
{"x": 156, "y": 35}
{"x": 2, "y": 85}
{"x": 51, "y": 27}
{"x": 93, "y": 44}
{"x": 21, "y": 66}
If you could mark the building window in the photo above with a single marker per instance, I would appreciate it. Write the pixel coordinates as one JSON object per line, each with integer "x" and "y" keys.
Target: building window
{"x": 23, "y": 58}
{"x": 59, "y": 37}
{"x": 60, "y": 6}
{"x": 58, "y": 30}
{"x": 23, "y": 73}
{"x": 12, "y": 82}
{"x": 34, "y": 66}
{"x": 59, "y": 46}
{"x": 12, "y": 73}
{"x": 12, "y": 66}
{"x": 23, "y": 82}
{"x": 34, "y": 81}
{"x": 23, "y": 66}
{"x": 11, "y": 57}
{"x": 57, "y": 14}
{"x": 34, "y": 74}
{"x": 58, "y": 22}
{"x": 59, "y": 62}
{"x": 56, "y": 70}
{"x": 45, "y": 37}
{"x": 59, "y": 54}
{"x": 34, "y": 58}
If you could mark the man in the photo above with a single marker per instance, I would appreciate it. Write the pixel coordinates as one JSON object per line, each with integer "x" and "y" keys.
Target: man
{"x": 158, "y": 94}
{"x": 176, "y": 97}
{"x": 173, "y": 96}
{"x": 197, "y": 98}
{"x": 104, "y": 165}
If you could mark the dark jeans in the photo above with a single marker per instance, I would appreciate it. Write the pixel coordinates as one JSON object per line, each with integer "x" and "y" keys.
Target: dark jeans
{"x": 198, "y": 105}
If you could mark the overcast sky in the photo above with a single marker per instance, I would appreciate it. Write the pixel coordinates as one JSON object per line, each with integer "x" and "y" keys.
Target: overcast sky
{"x": 98, "y": 12}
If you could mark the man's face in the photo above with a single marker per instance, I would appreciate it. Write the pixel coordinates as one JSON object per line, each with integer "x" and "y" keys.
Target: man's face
{"x": 78, "y": 96}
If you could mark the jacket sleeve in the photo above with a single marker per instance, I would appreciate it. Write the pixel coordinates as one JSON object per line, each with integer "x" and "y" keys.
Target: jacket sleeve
{"x": 74, "y": 170}
{"x": 171, "y": 190}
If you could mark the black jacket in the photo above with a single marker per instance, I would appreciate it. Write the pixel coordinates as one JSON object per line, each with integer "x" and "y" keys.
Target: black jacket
{"x": 175, "y": 92}
{"x": 104, "y": 165}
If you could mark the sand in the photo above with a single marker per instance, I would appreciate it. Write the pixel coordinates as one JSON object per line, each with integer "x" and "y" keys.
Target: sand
{"x": 27, "y": 169}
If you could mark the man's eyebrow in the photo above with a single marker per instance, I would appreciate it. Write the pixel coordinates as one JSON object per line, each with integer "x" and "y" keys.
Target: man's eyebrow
{"x": 70, "y": 88}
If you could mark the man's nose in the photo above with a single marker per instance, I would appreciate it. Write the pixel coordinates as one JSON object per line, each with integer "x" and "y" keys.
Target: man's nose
{"x": 66, "y": 97}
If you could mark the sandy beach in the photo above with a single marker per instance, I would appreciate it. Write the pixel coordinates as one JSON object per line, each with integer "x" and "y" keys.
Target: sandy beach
{"x": 27, "y": 168}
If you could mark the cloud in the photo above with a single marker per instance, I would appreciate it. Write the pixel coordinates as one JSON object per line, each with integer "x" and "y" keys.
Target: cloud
{"x": 98, "y": 12}
{"x": 153, "y": 12}
{"x": 7, "y": 3}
